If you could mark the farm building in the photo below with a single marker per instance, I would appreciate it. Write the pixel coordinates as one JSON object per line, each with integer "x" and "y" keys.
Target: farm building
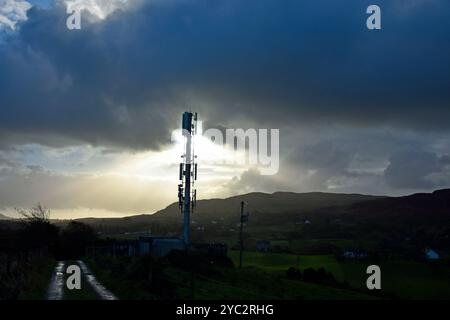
{"x": 157, "y": 246}
{"x": 430, "y": 254}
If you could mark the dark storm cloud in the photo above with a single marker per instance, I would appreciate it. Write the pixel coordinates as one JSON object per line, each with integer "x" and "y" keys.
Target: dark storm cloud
{"x": 251, "y": 180}
{"x": 377, "y": 161}
{"x": 390, "y": 165}
{"x": 123, "y": 81}
{"x": 418, "y": 170}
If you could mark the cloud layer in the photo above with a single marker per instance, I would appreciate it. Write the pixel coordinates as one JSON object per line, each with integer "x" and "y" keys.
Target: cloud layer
{"x": 123, "y": 80}
{"x": 13, "y": 12}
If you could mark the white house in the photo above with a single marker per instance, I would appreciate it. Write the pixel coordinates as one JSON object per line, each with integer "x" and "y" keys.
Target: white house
{"x": 349, "y": 254}
{"x": 430, "y": 254}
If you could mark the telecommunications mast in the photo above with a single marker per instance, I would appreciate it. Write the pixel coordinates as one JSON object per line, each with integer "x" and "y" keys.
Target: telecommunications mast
{"x": 188, "y": 173}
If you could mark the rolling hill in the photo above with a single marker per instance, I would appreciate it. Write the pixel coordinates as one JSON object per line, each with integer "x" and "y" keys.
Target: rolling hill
{"x": 423, "y": 219}
{"x": 262, "y": 207}
{"x": 420, "y": 206}
{"x": 416, "y": 220}
{"x": 289, "y": 208}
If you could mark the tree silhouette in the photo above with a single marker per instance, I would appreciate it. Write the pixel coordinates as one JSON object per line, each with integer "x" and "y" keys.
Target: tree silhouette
{"x": 38, "y": 232}
{"x": 39, "y": 213}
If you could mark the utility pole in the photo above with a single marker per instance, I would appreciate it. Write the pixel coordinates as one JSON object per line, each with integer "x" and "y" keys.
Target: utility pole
{"x": 244, "y": 218}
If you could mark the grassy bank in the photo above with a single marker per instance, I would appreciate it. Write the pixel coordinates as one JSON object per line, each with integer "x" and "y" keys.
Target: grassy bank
{"x": 35, "y": 279}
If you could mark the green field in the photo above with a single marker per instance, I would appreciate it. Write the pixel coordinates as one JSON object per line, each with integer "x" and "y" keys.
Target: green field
{"x": 405, "y": 279}
{"x": 282, "y": 261}
{"x": 408, "y": 280}
{"x": 217, "y": 283}
{"x": 253, "y": 283}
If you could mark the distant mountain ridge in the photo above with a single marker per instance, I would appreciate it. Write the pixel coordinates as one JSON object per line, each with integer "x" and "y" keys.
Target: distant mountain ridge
{"x": 288, "y": 208}
{"x": 435, "y": 205}
{"x": 257, "y": 203}
{"x": 265, "y": 203}
{"x": 284, "y": 214}
{"x": 3, "y": 217}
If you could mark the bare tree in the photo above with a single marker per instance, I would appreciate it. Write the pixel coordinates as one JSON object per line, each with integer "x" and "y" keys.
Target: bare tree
{"x": 38, "y": 213}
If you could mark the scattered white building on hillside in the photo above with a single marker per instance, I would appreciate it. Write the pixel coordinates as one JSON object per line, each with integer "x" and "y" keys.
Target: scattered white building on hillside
{"x": 430, "y": 254}
{"x": 353, "y": 254}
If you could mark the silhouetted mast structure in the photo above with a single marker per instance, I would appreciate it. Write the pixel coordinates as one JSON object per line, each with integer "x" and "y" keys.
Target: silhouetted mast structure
{"x": 188, "y": 173}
